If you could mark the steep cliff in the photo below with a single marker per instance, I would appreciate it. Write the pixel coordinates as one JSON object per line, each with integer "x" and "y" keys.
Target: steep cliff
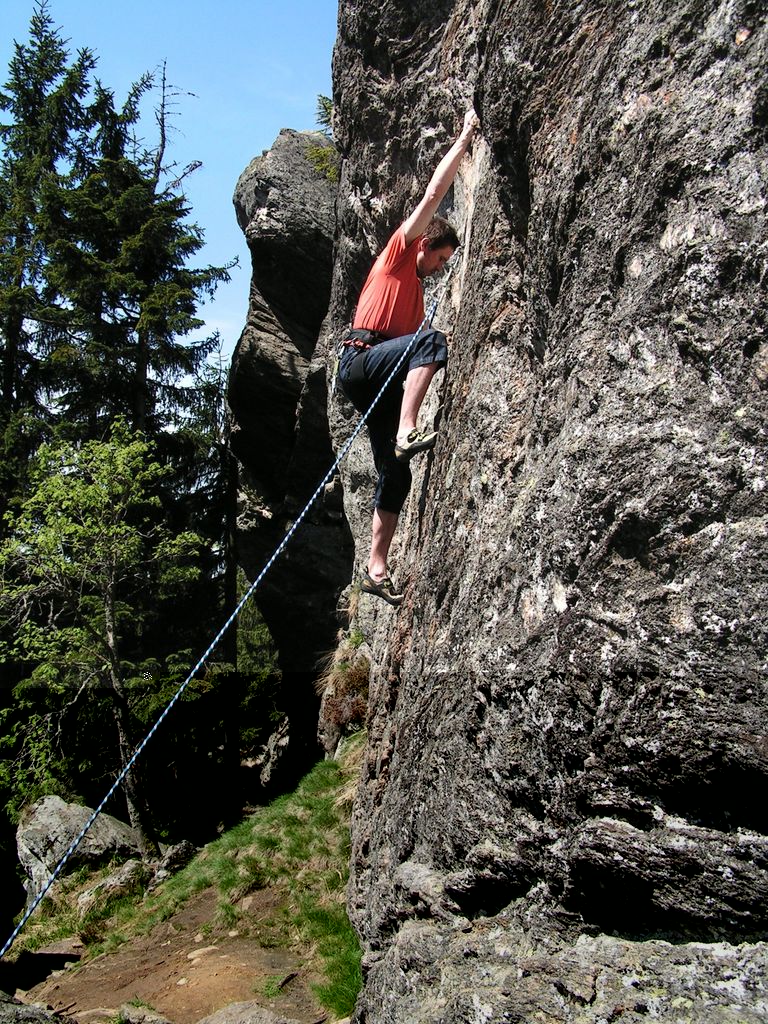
{"x": 562, "y": 811}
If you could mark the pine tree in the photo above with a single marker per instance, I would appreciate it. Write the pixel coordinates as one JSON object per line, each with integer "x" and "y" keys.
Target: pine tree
{"x": 43, "y": 125}
{"x": 121, "y": 243}
{"x": 40, "y": 136}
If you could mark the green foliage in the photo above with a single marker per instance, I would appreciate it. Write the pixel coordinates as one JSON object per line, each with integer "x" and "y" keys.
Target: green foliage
{"x": 40, "y": 152}
{"x": 256, "y": 653}
{"x": 325, "y": 160}
{"x": 98, "y": 303}
{"x": 30, "y": 764}
{"x": 355, "y": 638}
{"x": 324, "y": 115}
{"x": 83, "y": 538}
{"x": 257, "y": 663}
{"x": 81, "y": 550}
{"x": 95, "y": 287}
{"x": 119, "y": 247}
{"x": 97, "y": 297}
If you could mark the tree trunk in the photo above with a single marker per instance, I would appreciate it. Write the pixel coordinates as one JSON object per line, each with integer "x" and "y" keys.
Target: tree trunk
{"x": 138, "y": 812}
{"x": 140, "y": 396}
{"x": 13, "y": 327}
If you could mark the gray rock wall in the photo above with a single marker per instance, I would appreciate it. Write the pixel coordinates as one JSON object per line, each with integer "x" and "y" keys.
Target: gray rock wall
{"x": 562, "y": 811}
{"x": 280, "y": 438}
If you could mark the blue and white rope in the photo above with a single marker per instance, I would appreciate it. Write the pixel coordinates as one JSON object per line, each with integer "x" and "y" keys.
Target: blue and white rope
{"x": 276, "y": 554}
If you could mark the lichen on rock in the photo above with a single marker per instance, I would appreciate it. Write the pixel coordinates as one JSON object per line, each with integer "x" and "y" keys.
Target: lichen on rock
{"x": 560, "y": 813}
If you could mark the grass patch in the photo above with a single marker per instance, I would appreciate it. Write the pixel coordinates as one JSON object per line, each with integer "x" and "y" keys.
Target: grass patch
{"x": 271, "y": 987}
{"x": 337, "y": 943}
{"x": 298, "y": 846}
{"x": 343, "y": 684}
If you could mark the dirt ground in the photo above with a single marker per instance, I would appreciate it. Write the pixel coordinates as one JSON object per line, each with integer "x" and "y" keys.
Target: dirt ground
{"x": 185, "y": 970}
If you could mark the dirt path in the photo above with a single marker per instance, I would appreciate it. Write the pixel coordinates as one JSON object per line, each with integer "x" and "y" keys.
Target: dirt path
{"x": 186, "y": 970}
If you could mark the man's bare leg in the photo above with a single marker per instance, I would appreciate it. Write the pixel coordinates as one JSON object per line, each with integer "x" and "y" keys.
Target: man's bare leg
{"x": 416, "y": 384}
{"x": 382, "y": 532}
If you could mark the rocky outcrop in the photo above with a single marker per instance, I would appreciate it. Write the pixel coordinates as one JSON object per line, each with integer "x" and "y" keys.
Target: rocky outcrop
{"x": 14, "y": 1012}
{"x": 280, "y": 436}
{"x": 174, "y": 859}
{"x": 559, "y": 815}
{"x": 129, "y": 880}
{"x": 285, "y": 207}
{"x": 49, "y": 827}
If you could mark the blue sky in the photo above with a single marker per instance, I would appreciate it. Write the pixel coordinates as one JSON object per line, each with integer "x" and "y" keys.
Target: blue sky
{"x": 254, "y": 67}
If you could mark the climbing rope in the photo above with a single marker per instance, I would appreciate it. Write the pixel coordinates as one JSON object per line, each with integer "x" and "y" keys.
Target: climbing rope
{"x": 426, "y": 322}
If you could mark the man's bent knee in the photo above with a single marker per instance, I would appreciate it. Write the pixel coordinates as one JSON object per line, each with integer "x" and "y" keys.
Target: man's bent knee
{"x": 430, "y": 347}
{"x": 393, "y": 487}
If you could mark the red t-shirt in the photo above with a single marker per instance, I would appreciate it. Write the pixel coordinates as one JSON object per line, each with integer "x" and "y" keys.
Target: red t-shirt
{"x": 392, "y": 300}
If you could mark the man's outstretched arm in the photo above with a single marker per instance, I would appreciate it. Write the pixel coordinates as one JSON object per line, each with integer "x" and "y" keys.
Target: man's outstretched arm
{"x": 440, "y": 181}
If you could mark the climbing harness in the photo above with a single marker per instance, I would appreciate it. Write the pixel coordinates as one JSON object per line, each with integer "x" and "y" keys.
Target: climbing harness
{"x": 425, "y": 323}
{"x": 361, "y": 340}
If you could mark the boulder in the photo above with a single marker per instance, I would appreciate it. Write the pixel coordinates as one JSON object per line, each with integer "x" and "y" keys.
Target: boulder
{"x": 128, "y": 1013}
{"x": 174, "y": 859}
{"x": 49, "y": 827}
{"x": 14, "y": 1012}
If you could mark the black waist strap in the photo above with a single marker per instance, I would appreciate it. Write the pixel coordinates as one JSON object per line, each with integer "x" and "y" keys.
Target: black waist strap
{"x": 361, "y": 338}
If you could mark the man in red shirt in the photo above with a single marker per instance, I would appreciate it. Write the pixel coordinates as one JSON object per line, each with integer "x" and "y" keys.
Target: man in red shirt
{"x": 389, "y": 311}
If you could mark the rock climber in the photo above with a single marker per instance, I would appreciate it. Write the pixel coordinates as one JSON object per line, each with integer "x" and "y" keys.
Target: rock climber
{"x": 389, "y": 311}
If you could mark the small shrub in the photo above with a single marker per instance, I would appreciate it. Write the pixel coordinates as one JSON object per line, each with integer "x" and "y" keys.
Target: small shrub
{"x": 324, "y": 114}
{"x": 325, "y": 160}
{"x": 343, "y": 684}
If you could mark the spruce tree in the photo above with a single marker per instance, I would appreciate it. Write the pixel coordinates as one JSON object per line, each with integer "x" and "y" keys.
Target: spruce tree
{"x": 121, "y": 243}
{"x": 43, "y": 124}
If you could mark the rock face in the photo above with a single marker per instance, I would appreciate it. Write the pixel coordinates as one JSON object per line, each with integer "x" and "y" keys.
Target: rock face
{"x": 49, "y": 827}
{"x": 561, "y": 812}
{"x": 280, "y": 436}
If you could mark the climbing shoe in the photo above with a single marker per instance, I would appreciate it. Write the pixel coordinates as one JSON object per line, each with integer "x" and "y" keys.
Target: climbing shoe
{"x": 415, "y": 442}
{"x": 384, "y": 589}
